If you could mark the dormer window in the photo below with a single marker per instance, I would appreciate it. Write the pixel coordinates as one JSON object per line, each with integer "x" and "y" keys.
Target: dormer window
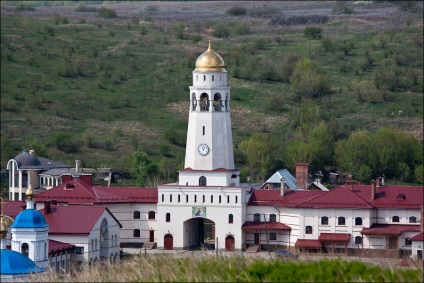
{"x": 401, "y": 196}
{"x": 69, "y": 186}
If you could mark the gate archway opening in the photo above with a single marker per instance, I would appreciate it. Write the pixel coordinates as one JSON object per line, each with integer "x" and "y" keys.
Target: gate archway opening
{"x": 229, "y": 243}
{"x": 199, "y": 233}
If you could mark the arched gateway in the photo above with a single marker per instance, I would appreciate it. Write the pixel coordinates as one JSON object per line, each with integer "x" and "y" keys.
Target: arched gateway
{"x": 168, "y": 242}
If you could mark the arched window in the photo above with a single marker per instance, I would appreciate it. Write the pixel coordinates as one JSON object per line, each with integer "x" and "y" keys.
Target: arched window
{"x": 203, "y": 130}
{"x": 308, "y": 230}
{"x": 324, "y": 220}
{"x": 136, "y": 215}
{"x": 152, "y": 215}
{"x": 45, "y": 251}
{"x": 228, "y": 199}
{"x": 193, "y": 102}
{"x": 217, "y": 102}
{"x": 395, "y": 219}
{"x": 204, "y": 102}
{"x": 236, "y": 199}
{"x": 163, "y": 198}
{"x": 257, "y": 217}
{"x": 202, "y": 181}
{"x": 358, "y": 221}
{"x": 24, "y": 249}
{"x": 92, "y": 244}
{"x": 272, "y": 218}
{"x": 195, "y": 198}
{"x": 179, "y": 198}
{"x": 219, "y": 199}
{"x": 341, "y": 221}
{"x": 186, "y": 198}
{"x": 136, "y": 233}
{"x": 412, "y": 219}
{"x": 203, "y": 199}
{"x": 407, "y": 242}
{"x": 358, "y": 240}
{"x": 211, "y": 198}
{"x": 204, "y": 77}
{"x": 230, "y": 218}
{"x": 272, "y": 236}
{"x": 95, "y": 244}
{"x": 213, "y": 77}
{"x": 168, "y": 217}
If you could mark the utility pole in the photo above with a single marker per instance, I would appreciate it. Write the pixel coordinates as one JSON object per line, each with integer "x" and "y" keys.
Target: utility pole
{"x": 267, "y": 236}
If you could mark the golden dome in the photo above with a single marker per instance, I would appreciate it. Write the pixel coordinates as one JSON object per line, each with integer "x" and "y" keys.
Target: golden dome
{"x": 30, "y": 192}
{"x": 210, "y": 61}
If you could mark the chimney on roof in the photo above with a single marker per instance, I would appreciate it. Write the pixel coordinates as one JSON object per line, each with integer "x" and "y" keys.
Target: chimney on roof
{"x": 302, "y": 175}
{"x": 87, "y": 178}
{"x": 373, "y": 188}
{"x": 349, "y": 185}
{"x": 77, "y": 165}
{"x": 47, "y": 207}
{"x": 282, "y": 185}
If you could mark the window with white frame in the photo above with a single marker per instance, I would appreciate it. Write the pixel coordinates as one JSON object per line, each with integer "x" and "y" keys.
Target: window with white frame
{"x": 395, "y": 218}
{"x": 341, "y": 221}
{"x": 272, "y": 236}
{"x": 358, "y": 221}
{"x": 412, "y": 219}
{"x": 324, "y": 220}
{"x": 358, "y": 240}
{"x": 257, "y": 217}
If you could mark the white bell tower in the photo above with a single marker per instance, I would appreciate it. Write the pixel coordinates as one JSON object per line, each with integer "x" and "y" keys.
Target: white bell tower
{"x": 209, "y": 156}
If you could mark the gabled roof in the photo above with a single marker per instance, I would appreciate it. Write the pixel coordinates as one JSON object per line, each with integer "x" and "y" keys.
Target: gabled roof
{"x": 419, "y": 237}
{"x": 319, "y": 186}
{"x": 55, "y": 246}
{"x": 338, "y": 197}
{"x": 77, "y": 191}
{"x": 13, "y": 208}
{"x": 334, "y": 237}
{"x": 308, "y": 244}
{"x": 342, "y": 197}
{"x": 254, "y": 225}
{"x": 74, "y": 219}
{"x": 288, "y": 178}
{"x": 389, "y": 229}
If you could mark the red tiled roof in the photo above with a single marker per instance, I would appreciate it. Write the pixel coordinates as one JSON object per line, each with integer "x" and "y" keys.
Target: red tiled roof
{"x": 389, "y": 229}
{"x": 419, "y": 237}
{"x": 77, "y": 191}
{"x": 55, "y": 246}
{"x": 342, "y": 197}
{"x": 334, "y": 237}
{"x": 73, "y": 219}
{"x": 308, "y": 244}
{"x": 253, "y": 225}
{"x": 338, "y": 197}
{"x": 291, "y": 198}
{"x": 387, "y": 196}
{"x": 12, "y": 208}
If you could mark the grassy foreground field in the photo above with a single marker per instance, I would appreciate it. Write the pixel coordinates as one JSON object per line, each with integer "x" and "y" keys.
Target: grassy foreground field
{"x": 160, "y": 268}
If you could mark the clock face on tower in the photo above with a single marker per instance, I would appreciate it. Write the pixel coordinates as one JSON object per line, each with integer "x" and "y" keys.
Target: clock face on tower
{"x": 203, "y": 149}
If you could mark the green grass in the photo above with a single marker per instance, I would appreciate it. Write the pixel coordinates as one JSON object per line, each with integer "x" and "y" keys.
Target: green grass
{"x": 161, "y": 268}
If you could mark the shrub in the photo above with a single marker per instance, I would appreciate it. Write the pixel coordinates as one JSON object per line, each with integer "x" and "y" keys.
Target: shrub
{"x": 178, "y": 30}
{"x": 312, "y": 32}
{"x": 24, "y": 7}
{"x": 237, "y": 11}
{"x": 221, "y": 30}
{"x": 300, "y": 20}
{"x": 263, "y": 12}
{"x": 64, "y": 142}
{"x": 241, "y": 28}
{"x": 106, "y": 13}
{"x": 341, "y": 8}
{"x": 328, "y": 45}
{"x": 57, "y": 19}
{"x": 84, "y": 8}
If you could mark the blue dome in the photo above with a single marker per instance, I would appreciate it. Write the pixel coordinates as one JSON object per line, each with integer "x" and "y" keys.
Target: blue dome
{"x": 30, "y": 218}
{"x": 16, "y": 263}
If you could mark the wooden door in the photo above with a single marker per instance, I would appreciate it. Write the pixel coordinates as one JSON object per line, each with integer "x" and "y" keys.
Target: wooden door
{"x": 168, "y": 242}
{"x": 393, "y": 242}
{"x": 256, "y": 238}
{"x": 152, "y": 236}
{"x": 229, "y": 244}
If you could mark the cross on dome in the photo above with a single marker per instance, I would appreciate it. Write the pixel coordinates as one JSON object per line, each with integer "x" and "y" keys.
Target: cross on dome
{"x": 210, "y": 31}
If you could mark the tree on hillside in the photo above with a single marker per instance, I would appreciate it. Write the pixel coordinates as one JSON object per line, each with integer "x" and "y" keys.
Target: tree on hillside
{"x": 306, "y": 82}
{"x": 258, "y": 152}
{"x": 142, "y": 169}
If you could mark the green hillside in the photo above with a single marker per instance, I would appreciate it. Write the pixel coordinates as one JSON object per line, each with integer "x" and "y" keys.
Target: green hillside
{"x": 76, "y": 85}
